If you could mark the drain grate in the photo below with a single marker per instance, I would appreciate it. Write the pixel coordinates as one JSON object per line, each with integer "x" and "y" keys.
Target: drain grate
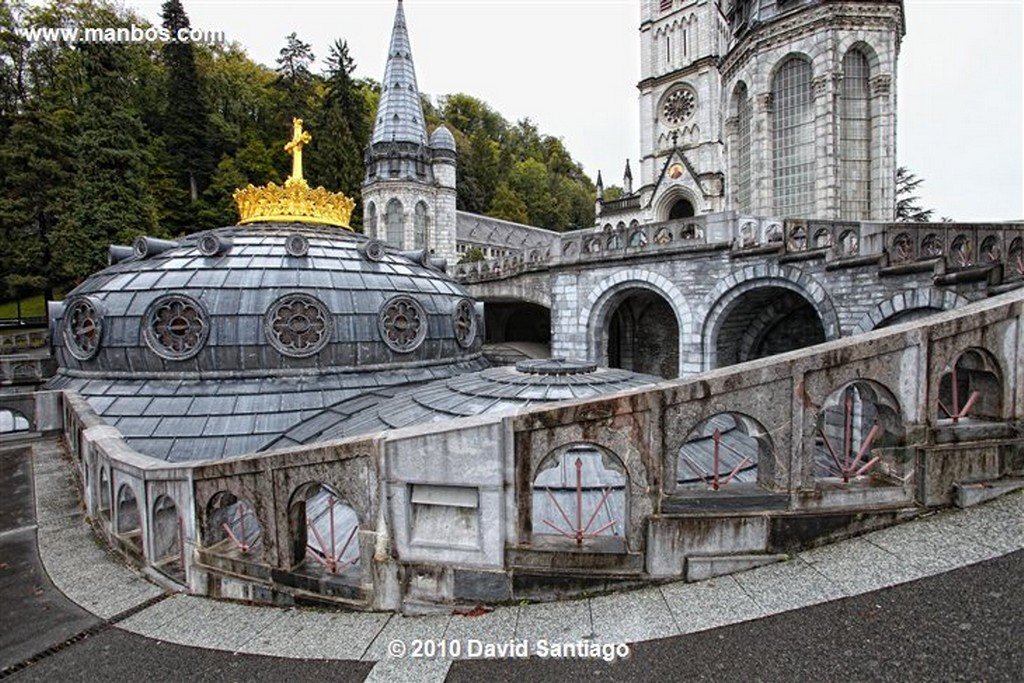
{"x": 82, "y": 635}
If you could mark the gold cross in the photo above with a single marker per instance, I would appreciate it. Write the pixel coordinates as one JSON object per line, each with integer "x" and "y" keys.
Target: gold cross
{"x": 294, "y": 147}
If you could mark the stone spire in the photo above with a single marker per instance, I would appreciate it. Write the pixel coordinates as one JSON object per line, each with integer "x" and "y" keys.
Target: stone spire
{"x": 627, "y": 180}
{"x": 400, "y": 114}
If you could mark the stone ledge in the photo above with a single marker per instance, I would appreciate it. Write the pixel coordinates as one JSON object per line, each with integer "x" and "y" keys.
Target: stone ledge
{"x": 701, "y": 567}
{"x": 970, "y": 494}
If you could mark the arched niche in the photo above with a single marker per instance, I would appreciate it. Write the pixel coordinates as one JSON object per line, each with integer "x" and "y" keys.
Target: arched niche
{"x": 859, "y": 435}
{"x": 971, "y": 388}
{"x": 580, "y": 499}
{"x": 726, "y": 449}
{"x": 323, "y": 531}
{"x": 232, "y": 525}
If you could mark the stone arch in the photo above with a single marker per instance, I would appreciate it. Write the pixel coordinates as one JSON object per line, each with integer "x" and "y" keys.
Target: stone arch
{"x": 370, "y": 220}
{"x": 728, "y": 292}
{"x": 971, "y": 387}
{"x": 580, "y": 494}
{"x": 232, "y": 525}
{"x": 14, "y": 421}
{"x": 602, "y": 300}
{"x": 104, "y": 497}
{"x": 859, "y": 432}
{"x": 394, "y": 223}
{"x": 674, "y": 194}
{"x": 421, "y": 225}
{"x": 907, "y": 306}
{"x": 166, "y": 531}
{"x": 128, "y": 520}
{"x": 848, "y": 43}
{"x": 744, "y": 445}
{"x": 324, "y": 528}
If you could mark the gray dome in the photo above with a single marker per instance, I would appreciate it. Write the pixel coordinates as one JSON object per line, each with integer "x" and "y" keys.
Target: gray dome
{"x": 442, "y": 138}
{"x": 280, "y": 298}
{"x": 217, "y": 344}
{"x": 529, "y": 383}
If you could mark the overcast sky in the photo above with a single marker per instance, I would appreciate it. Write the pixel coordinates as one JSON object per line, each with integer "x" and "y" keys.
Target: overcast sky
{"x": 572, "y": 67}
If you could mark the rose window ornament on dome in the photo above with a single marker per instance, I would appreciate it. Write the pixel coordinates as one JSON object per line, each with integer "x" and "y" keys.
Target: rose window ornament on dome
{"x": 465, "y": 323}
{"x": 403, "y": 324}
{"x": 298, "y": 325}
{"x": 176, "y": 327}
{"x": 83, "y": 328}
{"x": 679, "y": 106}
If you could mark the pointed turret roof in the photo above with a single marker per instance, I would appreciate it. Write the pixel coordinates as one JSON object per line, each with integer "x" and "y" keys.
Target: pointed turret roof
{"x": 400, "y": 114}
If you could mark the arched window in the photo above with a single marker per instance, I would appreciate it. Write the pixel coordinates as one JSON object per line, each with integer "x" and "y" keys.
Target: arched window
{"x": 855, "y": 139}
{"x": 580, "y": 494}
{"x": 395, "y": 227}
{"x": 793, "y": 139}
{"x": 370, "y": 221}
{"x": 419, "y": 230}
{"x": 741, "y": 149}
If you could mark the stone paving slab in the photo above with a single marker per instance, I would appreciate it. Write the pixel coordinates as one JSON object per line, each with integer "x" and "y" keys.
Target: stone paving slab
{"x": 555, "y": 621}
{"x": 788, "y": 585}
{"x": 933, "y": 545}
{"x": 409, "y": 671}
{"x": 498, "y": 626}
{"x": 858, "y": 566}
{"x": 406, "y": 630}
{"x": 709, "y": 604}
{"x": 309, "y": 634}
{"x": 632, "y": 617}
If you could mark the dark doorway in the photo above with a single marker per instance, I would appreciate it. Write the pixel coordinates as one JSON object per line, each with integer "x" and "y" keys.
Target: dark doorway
{"x": 681, "y": 209}
{"x": 764, "y": 322}
{"x": 643, "y": 335}
{"x": 517, "y": 321}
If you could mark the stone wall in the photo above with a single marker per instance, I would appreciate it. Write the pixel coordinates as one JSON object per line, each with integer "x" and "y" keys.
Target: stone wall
{"x": 446, "y": 513}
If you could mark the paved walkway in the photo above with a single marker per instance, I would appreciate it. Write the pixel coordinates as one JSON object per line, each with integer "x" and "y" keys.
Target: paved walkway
{"x": 83, "y": 571}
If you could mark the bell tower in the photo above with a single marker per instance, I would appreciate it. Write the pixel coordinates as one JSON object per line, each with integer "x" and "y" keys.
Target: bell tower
{"x": 681, "y": 45}
{"x": 409, "y": 188}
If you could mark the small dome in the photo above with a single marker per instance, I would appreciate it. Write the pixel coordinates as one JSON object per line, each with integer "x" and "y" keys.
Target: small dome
{"x": 529, "y": 383}
{"x": 442, "y": 139}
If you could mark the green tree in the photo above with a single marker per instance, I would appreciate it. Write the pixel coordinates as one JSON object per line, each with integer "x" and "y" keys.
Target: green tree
{"x": 295, "y": 79}
{"x": 339, "y": 128}
{"x": 508, "y": 205}
{"x": 186, "y": 124}
{"x": 109, "y": 198}
{"x": 908, "y": 205}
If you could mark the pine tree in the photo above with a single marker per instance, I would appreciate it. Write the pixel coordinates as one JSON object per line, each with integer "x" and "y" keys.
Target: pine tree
{"x": 109, "y": 200}
{"x": 186, "y": 126}
{"x": 339, "y": 130}
{"x": 295, "y": 80}
{"x": 908, "y": 206}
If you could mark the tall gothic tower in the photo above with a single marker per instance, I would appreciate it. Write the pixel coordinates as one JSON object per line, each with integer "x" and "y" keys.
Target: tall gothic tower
{"x": 681, "y": 167}
{"x": 774, "y": 108}
{"x": 409, "y": 189}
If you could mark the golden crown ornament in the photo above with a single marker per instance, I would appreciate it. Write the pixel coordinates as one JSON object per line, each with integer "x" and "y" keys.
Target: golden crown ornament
{"x": 295, "y": 200}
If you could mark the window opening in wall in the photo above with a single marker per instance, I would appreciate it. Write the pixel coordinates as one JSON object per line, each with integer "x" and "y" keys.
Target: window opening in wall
{"x": 332, "y": 532}
{"x": 234, "y": 520}
{"x": 855, "y": 126}
{"x": 724, "y": 449}
{"x": 793, "y": 140}
{"x": 579, "y": 497}
{"x": 129, "y": 524}
{"x": 12, "y": 421}
{"x": 860, "y": 433}
{"x": 971, "y": 389}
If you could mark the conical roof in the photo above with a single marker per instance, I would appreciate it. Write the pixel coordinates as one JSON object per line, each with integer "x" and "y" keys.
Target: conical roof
{"x": 400, "y": 114}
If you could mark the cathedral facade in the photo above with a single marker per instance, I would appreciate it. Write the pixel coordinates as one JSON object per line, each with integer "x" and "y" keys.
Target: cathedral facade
{"x": 780, "y": 108}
